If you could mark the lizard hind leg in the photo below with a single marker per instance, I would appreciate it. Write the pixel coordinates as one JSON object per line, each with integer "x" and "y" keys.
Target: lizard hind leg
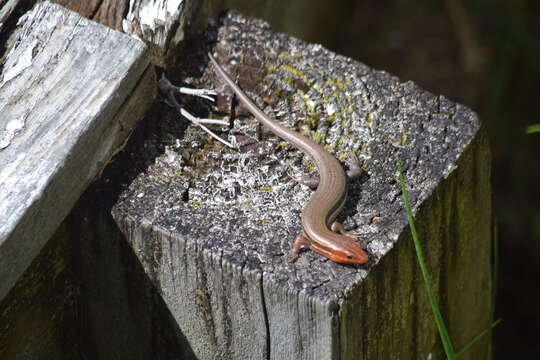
{"x": 355, "y": 167}
{"x": 310, "y": 181}
{"x": 301, "y": 240}
{"x": 337, "y": 227}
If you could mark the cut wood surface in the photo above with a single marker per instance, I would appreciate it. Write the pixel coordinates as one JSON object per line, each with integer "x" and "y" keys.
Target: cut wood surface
{"x": 161, "y": 24}
{"x": 68, "y": 102}
{"x": 212, "y": 226}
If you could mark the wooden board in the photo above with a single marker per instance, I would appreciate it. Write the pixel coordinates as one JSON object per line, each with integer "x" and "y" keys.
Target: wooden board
{"x": 162, "y": 23}
{"x": 64, "y": 83}
{"x": 211, "y": 227}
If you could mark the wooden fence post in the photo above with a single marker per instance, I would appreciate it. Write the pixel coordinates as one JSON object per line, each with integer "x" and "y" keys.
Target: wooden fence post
{"x": 212, "y": 226}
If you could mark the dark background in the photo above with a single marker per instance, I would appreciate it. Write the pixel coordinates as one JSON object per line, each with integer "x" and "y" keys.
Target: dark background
{"x": 486, "y": 55}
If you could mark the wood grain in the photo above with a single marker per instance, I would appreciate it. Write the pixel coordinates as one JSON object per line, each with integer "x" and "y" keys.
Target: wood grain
{"x": 64, "y": 82}
{"x": 211, "y": 230}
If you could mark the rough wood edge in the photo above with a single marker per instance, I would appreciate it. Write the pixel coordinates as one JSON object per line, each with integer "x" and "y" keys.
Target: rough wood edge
{"x": 67, "y": 166}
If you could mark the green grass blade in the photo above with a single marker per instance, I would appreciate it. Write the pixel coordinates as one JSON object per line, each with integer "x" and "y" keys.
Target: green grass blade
{"x": 531, "y": 129}
{"x": 443, "y": 333}
{"x": 478, "y": 337}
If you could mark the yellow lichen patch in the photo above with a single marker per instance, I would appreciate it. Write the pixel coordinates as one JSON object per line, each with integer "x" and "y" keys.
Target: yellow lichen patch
{"x": 199, "y": 155}
{"x": 196, "y": 203}
{"x": 312, "y": 122}
{"x": 264, "y": 221}
{"x": 310, "y": 166}
{"x": 289, "y": 81}
{"x": 339, "y": 144}
{"x": 211, "y": 146}
{"x": 402, "y": 141}
{"x": 317, "y": 138}
{"x": 343, "y": 115}
{"x": 281, "y": 145}
{"x": 271, "y": 69}
{"x": 293, "y": 71}
{"x": 284, "y": 56}
{"x": 313, "y": 135}
{"x": 297, "y": 73}
{"x": 370, "y": 120}
{"x": 344, "y": 156}
{"x": 330, "y": 120}
{"x": 268, "y": 188}
{"x": 359, "y": 150}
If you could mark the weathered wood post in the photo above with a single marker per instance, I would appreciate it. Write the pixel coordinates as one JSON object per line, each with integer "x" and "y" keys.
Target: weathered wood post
{"x": 194, "y": 263}
{"x": 211, "y": 226}
{"x": 71, "y": 92}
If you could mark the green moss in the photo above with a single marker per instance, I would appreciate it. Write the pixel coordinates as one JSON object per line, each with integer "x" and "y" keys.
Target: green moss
{"x": 343, "y": 157}
{"x": 313, "y": 135}
{"x": 281, "y": 145}
{"x": 271, "y": 69}
{"x": 330, "y": 120}
{"x": 317, "y": 138}
{"x": 313, "y": 122}
{"x": 370, "y": 119}
{"x": 344, "y": 122}
{"x": 339, "y": 144}
{"x": 402, "y": 141}
{"x": 284, "y": 56}
{"x": 293, "y": 71}
{"x": 199, "y": 155}
{"x": 310, "y": 167}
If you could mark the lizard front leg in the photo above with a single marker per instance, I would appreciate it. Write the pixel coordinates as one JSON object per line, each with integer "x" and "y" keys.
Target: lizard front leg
{"x": 301, "y": 240}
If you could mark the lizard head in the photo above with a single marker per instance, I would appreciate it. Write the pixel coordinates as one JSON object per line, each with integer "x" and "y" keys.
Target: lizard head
{"x": 349, "y": 252}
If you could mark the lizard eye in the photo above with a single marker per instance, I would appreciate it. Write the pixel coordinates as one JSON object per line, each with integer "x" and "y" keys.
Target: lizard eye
{"x": 349, "y": 257}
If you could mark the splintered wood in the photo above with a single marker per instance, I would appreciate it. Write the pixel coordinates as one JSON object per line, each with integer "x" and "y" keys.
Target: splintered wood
{"x": 71, "y": 91}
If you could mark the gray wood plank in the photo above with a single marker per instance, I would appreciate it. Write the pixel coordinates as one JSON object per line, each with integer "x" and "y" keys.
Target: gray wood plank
{"x": 161, "y": 24}
{"x": 212, "y": 226}
{"x": 62, "y": 87}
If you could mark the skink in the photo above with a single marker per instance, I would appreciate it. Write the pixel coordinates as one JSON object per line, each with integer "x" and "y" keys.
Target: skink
{"x": 318, "y": 217}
